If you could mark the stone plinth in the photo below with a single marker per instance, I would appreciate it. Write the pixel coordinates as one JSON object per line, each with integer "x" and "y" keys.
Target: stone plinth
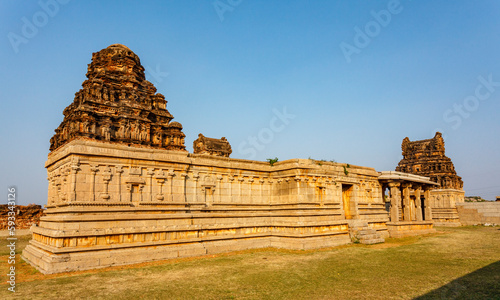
{"x": 402, "y": 229}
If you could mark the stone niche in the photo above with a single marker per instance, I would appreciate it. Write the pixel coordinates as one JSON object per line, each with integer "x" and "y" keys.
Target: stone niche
{"x": 123, "y": 189}
{"x": 427, "y": 158}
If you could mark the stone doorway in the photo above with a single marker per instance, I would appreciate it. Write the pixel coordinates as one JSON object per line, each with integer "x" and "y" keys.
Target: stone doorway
{"x": 346, "y": 200}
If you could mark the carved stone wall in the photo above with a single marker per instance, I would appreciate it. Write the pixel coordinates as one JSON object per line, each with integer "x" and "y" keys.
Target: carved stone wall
{"x": 123, "y": 189}
{"x": 117, "y": 104}
{"x": 427, "y": 158}
{"x": 150, "y": 204}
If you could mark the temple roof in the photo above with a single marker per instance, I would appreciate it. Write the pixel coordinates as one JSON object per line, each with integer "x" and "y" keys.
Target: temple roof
{"x": 117, "y": 104}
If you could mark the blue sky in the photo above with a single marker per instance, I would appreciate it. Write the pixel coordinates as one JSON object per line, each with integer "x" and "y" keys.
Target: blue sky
{"x": 273, "y": 77}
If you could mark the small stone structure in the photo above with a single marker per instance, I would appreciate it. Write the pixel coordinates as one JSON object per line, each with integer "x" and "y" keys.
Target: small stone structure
{"x": 211, "y": 146}
{"x": 123, "y": 189}
{"x": 427, "y": 158}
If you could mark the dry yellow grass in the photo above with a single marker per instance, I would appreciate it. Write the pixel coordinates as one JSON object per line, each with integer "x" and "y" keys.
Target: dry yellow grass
{"x": 455, "y": 263}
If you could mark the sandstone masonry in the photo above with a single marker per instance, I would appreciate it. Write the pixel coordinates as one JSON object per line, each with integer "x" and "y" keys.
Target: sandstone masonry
{"x": 123, "y": 189}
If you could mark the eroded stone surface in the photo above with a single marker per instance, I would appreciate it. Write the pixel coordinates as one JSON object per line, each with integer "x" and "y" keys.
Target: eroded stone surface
{"x": 211, "y": 146}
{"x": 117, "y": 104}
{"x": 427, "y": 158}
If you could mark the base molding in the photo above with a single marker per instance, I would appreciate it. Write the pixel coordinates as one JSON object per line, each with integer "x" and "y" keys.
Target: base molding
{"x": 50, "y": 263}
{"x": 403, "y": 229}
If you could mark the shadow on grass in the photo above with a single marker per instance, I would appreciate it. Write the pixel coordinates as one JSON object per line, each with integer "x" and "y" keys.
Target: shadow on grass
{"x": 480, "y": 284}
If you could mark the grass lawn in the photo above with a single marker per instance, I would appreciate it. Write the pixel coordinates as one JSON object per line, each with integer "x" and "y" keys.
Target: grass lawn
{"x": 455, "y": 263}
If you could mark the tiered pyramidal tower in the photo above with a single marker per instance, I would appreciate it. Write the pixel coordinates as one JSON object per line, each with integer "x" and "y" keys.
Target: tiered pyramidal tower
{"x": 117, "y": 104}
{"x": 427, "y": 158}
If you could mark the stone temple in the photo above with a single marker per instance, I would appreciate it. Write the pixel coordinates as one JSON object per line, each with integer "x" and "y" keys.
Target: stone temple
{"x": 123, "y": 189}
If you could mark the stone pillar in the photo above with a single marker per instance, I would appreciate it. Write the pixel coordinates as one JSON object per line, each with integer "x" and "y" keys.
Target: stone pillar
{"x": 395, "y": 201}
{"x": 406, "y": 202}
{"x": 418, "y": 203}
{"x": 427, "y": 204}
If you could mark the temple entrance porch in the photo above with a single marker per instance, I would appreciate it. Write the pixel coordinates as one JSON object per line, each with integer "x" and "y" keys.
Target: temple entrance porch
{"x": 409, "y": 198}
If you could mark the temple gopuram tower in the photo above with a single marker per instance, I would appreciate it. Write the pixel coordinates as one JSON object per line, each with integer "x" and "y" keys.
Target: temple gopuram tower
{"x": 427, "y": 158}
{"x": 117, "y": 104}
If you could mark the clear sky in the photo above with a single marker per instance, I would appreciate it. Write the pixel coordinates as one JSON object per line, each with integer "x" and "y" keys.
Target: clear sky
{"x": 334, "y": 80}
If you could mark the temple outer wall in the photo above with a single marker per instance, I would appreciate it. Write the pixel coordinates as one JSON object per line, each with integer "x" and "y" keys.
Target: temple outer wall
{"x": 111, "y": 204}
{"x": 475, "y": 213}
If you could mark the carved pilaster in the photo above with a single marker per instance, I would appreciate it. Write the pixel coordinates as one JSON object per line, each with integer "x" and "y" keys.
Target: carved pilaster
{"x": 184, "y": 177}
{"x": 170, "y": 177}
{"x": 261, "y": 187}
{"x": 119, "y": 171}
{"x": 93, "y": 170}
{"x": 149, "y": 174}
{"x": 196, "y": 177}
{"x": 240, "y": 181}
{"x": 270, "y": 190}
{"x": 219, "y": 188}
{"x": 106, "y": 177}
{"x": 230, "y": 179}
{"x": 299, "y": 194}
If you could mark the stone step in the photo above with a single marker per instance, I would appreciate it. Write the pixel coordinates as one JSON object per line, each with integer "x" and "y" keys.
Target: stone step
{"x": 368, "y": 236}
{"x": 372, "y": 241}
{"x": 366, "y": 231}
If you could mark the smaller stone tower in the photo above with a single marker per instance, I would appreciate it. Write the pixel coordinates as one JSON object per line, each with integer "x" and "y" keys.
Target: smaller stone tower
{"x": 427, "y": 158}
